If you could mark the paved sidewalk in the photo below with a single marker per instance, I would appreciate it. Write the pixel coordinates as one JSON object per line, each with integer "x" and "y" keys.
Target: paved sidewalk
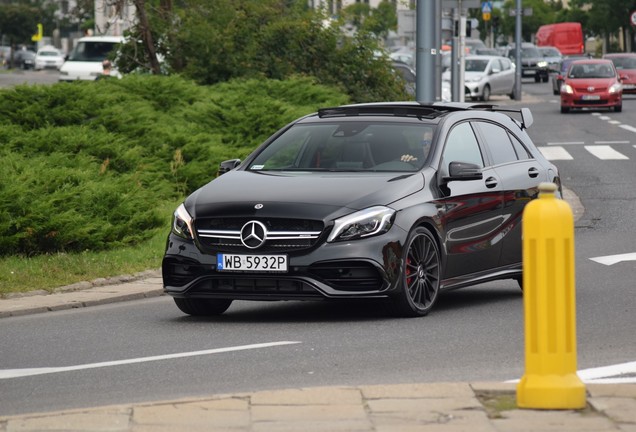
{"x": 452, "y": 407}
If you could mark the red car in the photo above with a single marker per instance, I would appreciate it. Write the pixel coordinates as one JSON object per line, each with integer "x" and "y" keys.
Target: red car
{"x": 625, "y": 64}
{"x": 591, "y": 84}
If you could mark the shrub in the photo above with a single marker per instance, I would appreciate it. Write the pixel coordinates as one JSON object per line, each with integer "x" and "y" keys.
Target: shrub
{"x": 86, "y": 165}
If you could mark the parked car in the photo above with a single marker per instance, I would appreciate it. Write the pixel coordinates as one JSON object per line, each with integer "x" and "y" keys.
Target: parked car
{"x": 533, "y": 65}
{"x": 591, "y": 83}
{"x": 24, "y": 59}
{"x": 48, "y": 57}
{"x": 407, "y": 74}
{"x": 625, "y": 64}
{"x": 472, "y": 44}
{"x": 488, "y": 75}
{"x": 327, "y": 208}
{"x": 557, "y": 76}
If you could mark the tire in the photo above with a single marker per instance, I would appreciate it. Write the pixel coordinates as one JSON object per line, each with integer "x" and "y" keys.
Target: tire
{"x": 420, "y": 276}
{"x": 618, "y": 108}
{"x": 545, "y": 79}
{"x": 485, "y": 96}
{"x": 202, "y": 307}
{"x": 537, "y": 78}
{"x": 564, "y": 110}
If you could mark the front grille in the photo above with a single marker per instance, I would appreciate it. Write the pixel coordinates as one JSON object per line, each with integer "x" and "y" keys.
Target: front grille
{"x": 283, "y": 235}
{"x": 591, "y": 102}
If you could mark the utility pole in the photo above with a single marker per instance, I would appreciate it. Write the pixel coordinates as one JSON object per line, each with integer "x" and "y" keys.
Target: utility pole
{"x": 518, "y": 42}
{"x": 426, "y": 52}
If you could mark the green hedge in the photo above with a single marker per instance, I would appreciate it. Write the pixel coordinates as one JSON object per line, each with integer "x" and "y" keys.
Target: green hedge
{"x": 86, "y": 165}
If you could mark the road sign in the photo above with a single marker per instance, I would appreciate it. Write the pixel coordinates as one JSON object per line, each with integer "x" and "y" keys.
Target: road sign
{"x": 486, "y": 7}
{"x": 485, "y": 16}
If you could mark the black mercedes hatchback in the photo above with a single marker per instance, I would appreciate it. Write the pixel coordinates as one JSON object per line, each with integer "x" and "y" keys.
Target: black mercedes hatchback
{"x": 393, "y": 201}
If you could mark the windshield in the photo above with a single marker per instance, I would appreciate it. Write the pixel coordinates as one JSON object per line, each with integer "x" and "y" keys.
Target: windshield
{"x": 550, "y": 52}
{"x": 92, "y": 51}
{"x": 591, "y": 70}
{"x": 624, "y": 62}
{"x": 347, "y": 146}
{"x": 474, "y": 65}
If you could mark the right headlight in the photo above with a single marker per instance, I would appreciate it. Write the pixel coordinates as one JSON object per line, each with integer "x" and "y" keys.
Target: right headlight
{"x": 566, "y": 88}
{"x": 361, "y": 224}
{"x": 182, "y": 223}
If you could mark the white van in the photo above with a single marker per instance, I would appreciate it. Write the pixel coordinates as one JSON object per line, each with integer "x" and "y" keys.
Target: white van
{"x": 85, "y": 61}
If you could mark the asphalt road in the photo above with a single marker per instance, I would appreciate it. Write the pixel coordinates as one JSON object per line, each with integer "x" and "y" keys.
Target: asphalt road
{"x": 147, "y": 350}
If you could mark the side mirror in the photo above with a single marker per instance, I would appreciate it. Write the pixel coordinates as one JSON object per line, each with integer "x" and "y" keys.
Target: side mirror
{"x": 463, "y": 171}
{"x": 227, "y": 165}
{"x": 495, "y": 71}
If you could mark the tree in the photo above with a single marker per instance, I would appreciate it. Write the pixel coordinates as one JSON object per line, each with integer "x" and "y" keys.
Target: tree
{"x": 18, "y": 22}
{"x": 217, "y": 41}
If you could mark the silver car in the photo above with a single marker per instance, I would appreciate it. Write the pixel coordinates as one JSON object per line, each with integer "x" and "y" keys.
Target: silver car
{"x": 488, "y": 75}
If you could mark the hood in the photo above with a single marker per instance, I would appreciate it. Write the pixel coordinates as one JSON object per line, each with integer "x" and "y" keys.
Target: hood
{"x": 312, "y": 195}
{"x": 473, "y": 76}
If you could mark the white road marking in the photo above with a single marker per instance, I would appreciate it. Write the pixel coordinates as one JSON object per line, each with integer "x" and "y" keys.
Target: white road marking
{"x": 628, "y": 127}
{"x": 605, "y": 152}
{"x": 614, "y": 374}
{"x": 604, "y": 117}
{"x": 614, "y": 122}
{"x": 16, "y": 373}
{"x": 555, "y": 153}
{"x": 565, "y": 143}
{"x": 612, "y": 142}
{"x": 609, "y": 372}
{"x": 614, "y": 259}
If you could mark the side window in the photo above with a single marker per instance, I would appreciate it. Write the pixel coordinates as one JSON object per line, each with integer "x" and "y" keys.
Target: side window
{"x": 505, "y": 64}
{"x": 498, "y": 142}
{"x": 462, "y": 146}
{"x": 522, "y": 151}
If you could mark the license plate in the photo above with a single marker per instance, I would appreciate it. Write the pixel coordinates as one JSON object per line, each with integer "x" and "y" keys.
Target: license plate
{"x": 260, "y": 263}
{"x": 590, "y": 97}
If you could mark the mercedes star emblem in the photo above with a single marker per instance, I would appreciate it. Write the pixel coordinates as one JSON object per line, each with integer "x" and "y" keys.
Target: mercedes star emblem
{"x": 253, "y": 234}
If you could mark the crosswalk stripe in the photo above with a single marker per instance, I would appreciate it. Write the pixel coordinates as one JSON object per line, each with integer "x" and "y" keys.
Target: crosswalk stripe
{"x": 555, "y": 153}
{"x": 628, "y": 127}
{"x": 605, "y": 152}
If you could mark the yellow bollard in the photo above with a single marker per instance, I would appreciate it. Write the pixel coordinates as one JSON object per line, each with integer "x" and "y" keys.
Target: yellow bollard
{"x": 550, "y": 380}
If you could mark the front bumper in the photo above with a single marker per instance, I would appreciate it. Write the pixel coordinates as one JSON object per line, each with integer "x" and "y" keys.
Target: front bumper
{"x": 605, "y": 100}
{"x": 364, "y": 268}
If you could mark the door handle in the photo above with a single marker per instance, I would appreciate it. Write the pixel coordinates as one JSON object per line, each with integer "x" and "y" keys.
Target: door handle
{"x": 491, "y": 182}
{"x": 533, "y": 172}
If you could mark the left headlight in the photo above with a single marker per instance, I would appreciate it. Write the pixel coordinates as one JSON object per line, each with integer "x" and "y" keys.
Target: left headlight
{"x": 182, "y": 223}
{"x": 615, "y": 88}
{"x": 364, "y": 223}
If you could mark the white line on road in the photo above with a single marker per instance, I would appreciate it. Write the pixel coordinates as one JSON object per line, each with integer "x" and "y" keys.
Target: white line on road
{"x": 614, "y": 259}
{"x": 612, "y": 142}
{"x": 605, "y": 152}
{"x": 555, "y": 153}
{"x": 16, "y": 373}
{"x": 628, "y": 127}
{"x": 565, "y": 143}
{"x": 623, "y": 373}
